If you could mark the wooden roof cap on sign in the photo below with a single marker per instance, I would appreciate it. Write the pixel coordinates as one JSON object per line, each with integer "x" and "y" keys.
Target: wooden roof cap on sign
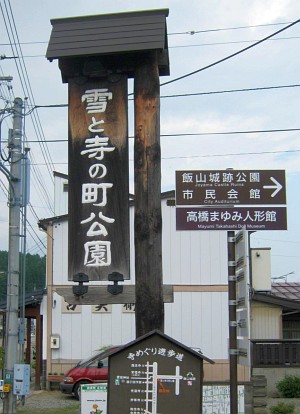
{"x": 111, "y": 34}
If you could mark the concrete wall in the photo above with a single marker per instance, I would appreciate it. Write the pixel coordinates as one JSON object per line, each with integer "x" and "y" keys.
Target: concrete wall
{"x": 273, "y": 375}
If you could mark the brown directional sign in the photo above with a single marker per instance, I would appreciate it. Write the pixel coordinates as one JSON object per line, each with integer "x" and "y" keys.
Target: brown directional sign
{"x": 230, "y": 187}
{"x": 231, "y": 218}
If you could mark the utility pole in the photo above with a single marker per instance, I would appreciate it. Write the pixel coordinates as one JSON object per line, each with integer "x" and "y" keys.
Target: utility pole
{"x": 233, "y": 351}
{"x": 11, "y": 334}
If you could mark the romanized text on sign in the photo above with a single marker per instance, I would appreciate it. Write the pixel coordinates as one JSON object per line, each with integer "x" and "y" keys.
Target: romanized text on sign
{"x": 222, "y": 218}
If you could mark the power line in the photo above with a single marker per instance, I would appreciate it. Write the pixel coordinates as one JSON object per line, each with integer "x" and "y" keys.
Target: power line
{"x": 192, "y": 32}
{"x": 35, "y": 233}
{"x": 262, "y": 88}
{"x": 25, "y": 83}
{"x": 235, "y": 154}
{"x": 230, "y": 56}
{"x": 189, "y": 32}
{"x": 194, "y": 134}
{"x": 262, "y": 131}
{"x": 3, "y": 57}
{"x": 216, "y": 43}
{"x": 216, "y": 155}
{"x": 282, "y": 255}
{"x": 280, "y": 241}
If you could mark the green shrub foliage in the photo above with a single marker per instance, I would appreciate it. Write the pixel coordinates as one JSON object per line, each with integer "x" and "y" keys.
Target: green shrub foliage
{"x": 2, "y": 355}
{"x": 289, "y": 387}
{"x": 282, "y": 408}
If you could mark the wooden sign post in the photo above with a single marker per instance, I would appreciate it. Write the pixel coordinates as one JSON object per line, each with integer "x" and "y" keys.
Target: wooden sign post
{"x": 147, "y": 180}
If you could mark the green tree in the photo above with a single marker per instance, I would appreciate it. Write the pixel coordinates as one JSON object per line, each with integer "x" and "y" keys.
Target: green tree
{"x": 3, "y": 274}
{"x": 35, "y": 272}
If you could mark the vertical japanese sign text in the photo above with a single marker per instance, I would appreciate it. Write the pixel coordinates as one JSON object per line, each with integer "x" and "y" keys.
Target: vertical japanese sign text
{"x": 98, "y": 179}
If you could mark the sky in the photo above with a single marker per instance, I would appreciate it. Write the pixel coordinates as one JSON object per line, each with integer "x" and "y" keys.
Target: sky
{"x": 200, "y": 33}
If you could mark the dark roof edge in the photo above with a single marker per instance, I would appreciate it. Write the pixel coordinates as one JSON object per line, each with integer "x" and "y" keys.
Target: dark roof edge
{"x": 61, "y": 175}
{"x": 43, "y": 223}
{"x": 275, "y": 300}
{"x": 31, "y": 298}
{"x": 165, "y": 12}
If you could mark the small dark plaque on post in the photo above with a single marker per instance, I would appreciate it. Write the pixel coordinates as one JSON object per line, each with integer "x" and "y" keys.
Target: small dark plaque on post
{"x": 155, "y": 374}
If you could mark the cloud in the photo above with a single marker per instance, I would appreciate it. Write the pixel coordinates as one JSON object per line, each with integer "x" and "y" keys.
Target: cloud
{"x": 268, "y": 11}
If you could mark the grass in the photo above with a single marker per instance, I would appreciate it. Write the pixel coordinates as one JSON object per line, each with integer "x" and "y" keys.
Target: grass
{"x": 74, "y": 408}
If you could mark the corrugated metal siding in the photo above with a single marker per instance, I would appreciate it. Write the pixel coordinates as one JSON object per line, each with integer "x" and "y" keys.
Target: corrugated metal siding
{"x": 265, "y": 321}
{"x": 106, "y": 34}
{"x": 60, "y": 252}
{"x": 192, "y": 257}
{"x": 197, "y": 319}
{"x": 200, "y": 320}
{"x": 60, "y": 196}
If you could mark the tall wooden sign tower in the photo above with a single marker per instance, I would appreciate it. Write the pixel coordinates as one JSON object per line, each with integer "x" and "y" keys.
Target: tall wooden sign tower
{"x": 97, "y": 54}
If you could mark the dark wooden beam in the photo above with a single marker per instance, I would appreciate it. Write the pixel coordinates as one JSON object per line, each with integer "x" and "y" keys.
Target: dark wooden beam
{"x": 98, "y": 295}
{"x": 39, "y": 351}
{"x": 147, "y": 179}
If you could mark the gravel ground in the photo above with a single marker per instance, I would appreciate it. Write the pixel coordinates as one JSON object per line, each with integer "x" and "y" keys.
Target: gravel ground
{"x": 56, "y": 399}
{"x": 46, "y": 400}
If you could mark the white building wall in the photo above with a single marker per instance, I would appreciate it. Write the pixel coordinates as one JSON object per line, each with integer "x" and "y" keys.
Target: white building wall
{"x": 199, "y": 320}
{"x": 265, "y": 321}
{"x": 196, "y": 318}
{"x": 60, "y": 253}
{"x": 60, "y": 195}
{"x": 192, "y": 257}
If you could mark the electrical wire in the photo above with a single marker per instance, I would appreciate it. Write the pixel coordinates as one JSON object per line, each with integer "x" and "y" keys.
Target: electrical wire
{"x": 192, "y": 32}
{"x": 218, "y": 155}
{"x": 262, "y": 131}
{"x": 189, "y": 32}
{"x": 33, "y": 234}
{"x": 280, "y": 241}
{"x": 3, "y": 57}
{"x": 215, "y": 43}
{"x": 234, "y": 154}
{"x": 23, "y": 75}
{"x": 24, "y": 79}
{"x": 194, "y": 134}
{"x": 230, "y": 56}
{"x": 262, "y": 88}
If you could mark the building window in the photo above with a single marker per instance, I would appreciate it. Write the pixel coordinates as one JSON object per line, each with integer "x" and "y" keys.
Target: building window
{"x": 291, "y": 329}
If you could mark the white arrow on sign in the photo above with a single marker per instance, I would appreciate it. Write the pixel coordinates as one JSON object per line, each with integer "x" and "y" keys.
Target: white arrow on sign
{"x": 277, "y": 186}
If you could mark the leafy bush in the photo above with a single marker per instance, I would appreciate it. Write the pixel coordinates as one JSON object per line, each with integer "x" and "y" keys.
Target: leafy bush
{"x": 282, "y": 408}
{"x": 2, "y": 355}
{"x": 289, "y": 387}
